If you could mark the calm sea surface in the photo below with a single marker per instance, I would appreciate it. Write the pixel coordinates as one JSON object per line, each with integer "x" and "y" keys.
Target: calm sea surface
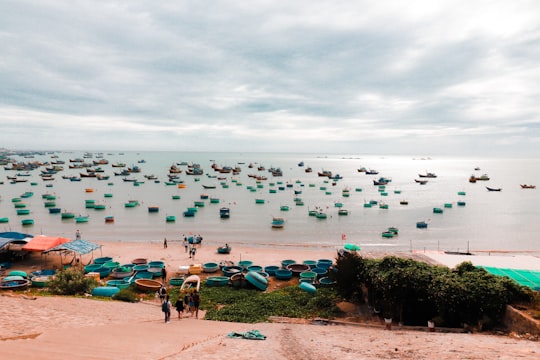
{"x": 507, "y": 220}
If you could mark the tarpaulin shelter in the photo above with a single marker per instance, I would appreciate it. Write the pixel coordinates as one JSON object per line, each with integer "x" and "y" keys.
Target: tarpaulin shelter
{"x": 76, "y": 248}
{"x": 12, "y": 237}
{"x": 80, "y": 247}
{"x": 42, "y": 243}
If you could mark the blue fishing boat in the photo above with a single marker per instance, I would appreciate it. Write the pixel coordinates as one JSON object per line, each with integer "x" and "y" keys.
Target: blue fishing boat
{"x": 257, "y": 280}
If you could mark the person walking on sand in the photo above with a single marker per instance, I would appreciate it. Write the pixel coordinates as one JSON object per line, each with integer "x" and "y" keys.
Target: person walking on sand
{"x": 187, "y": 301}
{"x": 166, "y": 308}
{"x": 77, "y": 235}
{"x": 191, "y": 305}
{"x": 193, "y": 251}
{"x": 165, "y": 243}
{"x": 196, "y": 302}
{"x": 179, "y": 305}
{"x": 186, "y": 244}
{"x": 162, "y": 293}
{"x": 163, "y": 275}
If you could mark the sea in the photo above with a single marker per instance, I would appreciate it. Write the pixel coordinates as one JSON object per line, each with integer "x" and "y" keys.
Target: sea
{"x": 484, "y": 221}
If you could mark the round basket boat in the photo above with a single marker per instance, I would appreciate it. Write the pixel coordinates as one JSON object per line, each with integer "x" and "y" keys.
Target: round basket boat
{"x": 310, "y": 263}
{"x": 148, "y": 285}
{"x": 156, "y": 271}
{"x": 245, "y": 263}
{"x": 254, "y": 268}
{"x": 210, "y": 267}
{"x": 283, "y": 274}
{"x": 13, "y": 277}
{"x": 103, "y": 271}
{"x": 140, "y": 267}
{"x": 139, "y": 261}
{"x": 40, "y": 281}
{"x": 156, "y": 263}
{"x": 320, "y": 272}
{"x": 271, "y": 270}
{"x": 144, "y": 275}
{"x": 111, "y": 264}
{"x": 121, "y": 272}
{"x": 176, "y": 281}
{"x": 308, "y": 275}
{"x": 44, "y": 272}
{"x": 106, "y": 291}
{"x": 20, "y": 273}
{"x": 102, "y": 260}
{"x": 91, "y": 268}
{"x": 326, "y": 281}
{"x": 308, "y": 287}
{"x": 287, "y": 262}
{"x": 231, "y": 270}
{"x": 15, "y": 284}
{"x": 257, "y": 280}
{"x": 324, "y": 263}
{"x": 238, "y": 280}
{"x": 121, "y": 284}
{"x": 217, "y": 281}
{"x": 297, "y": 268}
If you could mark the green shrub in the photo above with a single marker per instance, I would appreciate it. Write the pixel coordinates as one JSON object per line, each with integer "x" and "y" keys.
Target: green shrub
{"x": 126, "y": 295}
{"x": 71, "y": 282}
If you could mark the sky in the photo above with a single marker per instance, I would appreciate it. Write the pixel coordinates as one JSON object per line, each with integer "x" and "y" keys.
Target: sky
{"x": 379, "y": 77}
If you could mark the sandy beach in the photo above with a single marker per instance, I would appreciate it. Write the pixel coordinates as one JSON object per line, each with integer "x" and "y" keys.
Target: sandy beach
{"x": 62, "y": 327}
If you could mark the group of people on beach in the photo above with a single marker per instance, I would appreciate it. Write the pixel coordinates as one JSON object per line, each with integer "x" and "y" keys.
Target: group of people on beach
{"x": 188, "y": 304}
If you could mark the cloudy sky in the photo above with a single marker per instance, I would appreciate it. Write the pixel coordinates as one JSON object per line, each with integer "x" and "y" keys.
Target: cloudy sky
{"x": 428, "y": 77}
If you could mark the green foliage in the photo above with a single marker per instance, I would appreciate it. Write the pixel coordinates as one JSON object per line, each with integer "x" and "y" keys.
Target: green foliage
{"x": 71, "y": 282}
{"x": 127, "y": 295}
{"x": 413, "y": 291}
{"x": 250, "y": 306}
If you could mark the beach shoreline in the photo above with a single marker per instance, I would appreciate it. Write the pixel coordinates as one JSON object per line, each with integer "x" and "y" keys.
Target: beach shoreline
{"x": 52, "y": 327}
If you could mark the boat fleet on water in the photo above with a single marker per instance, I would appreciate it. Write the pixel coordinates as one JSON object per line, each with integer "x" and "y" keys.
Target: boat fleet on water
{"x": 95, "y": 166}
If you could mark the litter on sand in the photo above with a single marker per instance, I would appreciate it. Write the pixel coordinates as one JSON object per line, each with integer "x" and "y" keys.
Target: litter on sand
{"x": 251, "y": 335}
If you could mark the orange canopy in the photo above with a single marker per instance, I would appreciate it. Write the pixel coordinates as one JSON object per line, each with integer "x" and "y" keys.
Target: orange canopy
{"x": 42, "y": 243}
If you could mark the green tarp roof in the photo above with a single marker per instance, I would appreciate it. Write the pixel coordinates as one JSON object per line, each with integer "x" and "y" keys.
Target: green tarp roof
{"x": 529, "y": 278}
{"x": 79, "y": 246}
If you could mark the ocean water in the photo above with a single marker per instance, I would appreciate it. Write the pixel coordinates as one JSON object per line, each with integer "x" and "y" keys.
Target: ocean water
{"x": 490, "y": 221}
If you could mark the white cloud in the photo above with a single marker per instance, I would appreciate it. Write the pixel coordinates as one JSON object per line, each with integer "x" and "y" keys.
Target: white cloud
{"x": 270, "y": 76}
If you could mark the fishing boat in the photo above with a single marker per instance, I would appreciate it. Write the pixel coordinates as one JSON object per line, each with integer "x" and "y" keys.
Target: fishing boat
{"x": 148, "y": 285}
{"x": 493, "y": 189}
{"x": 109, "y": 219}
{"x": 525, "y": 186}
{"x": 226, "y": 249}
{"x": 122, "y": 272}
{"x": 421, "y": 225}
{"x": 170, "y": 218}
{"x": 210, "y": 267}
{"x": 26, "y": 222}
{"x": 105, "y": 291}
{"x": 153, "y": 209}
{"x": 82, "y": 219}
{"x": 16, "y": 284}
{"x": 428, "y": 175}
{"x": 192, "y": 282}
{"x": 217, "y": 281}
{"x": 257, "y": 280}
{"x": 67, "y": 215}
{"x": 278, "y": 223}
{"x": 421, "y": 182}
{"x": 224, "y": 213}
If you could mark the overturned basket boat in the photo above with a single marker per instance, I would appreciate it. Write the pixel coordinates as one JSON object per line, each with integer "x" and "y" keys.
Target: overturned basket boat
{"x": 148, "y": 284}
